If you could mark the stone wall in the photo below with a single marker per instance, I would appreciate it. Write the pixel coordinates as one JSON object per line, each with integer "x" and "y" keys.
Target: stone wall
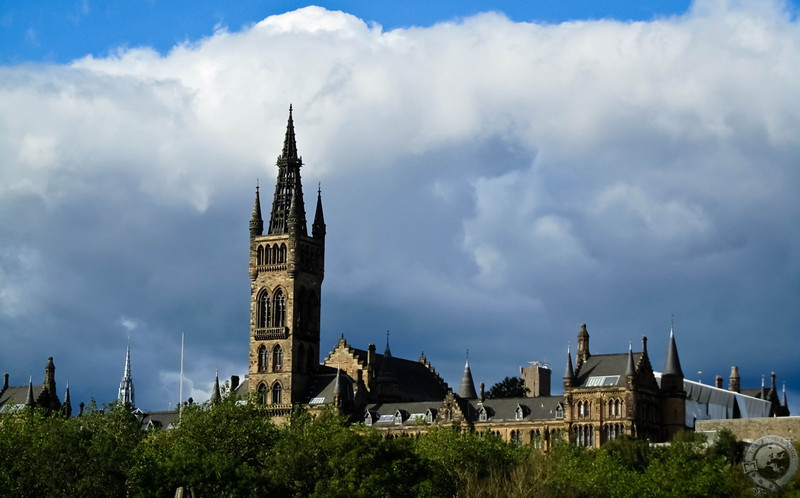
{"x": 749, "y": 429}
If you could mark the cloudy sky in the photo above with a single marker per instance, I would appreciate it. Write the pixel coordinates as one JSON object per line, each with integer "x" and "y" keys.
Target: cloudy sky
{"x": 493, "y": 176}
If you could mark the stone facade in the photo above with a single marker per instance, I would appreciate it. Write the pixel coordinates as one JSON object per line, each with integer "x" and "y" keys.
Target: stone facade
{"x": 750, "y": 429}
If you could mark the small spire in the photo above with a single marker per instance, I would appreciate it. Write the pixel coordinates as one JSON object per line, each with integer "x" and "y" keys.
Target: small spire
{"x": 318, "y": 228}
{"x": 630, "y": 370}
{"x": 256, "y": 222}
{"x": 125, "y": 394}
{"x": 569, "y": 373}
{"x": 673, "y": 364}
{"x": 215, "y": 395}
{"x": 289, "y": 143}
{"x": 783, "y": 400}
{"x": 336, "y": 389}
{"x": 387, "y": 351}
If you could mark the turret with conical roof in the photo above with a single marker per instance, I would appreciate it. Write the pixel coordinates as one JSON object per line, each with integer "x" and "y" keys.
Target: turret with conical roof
{"x": 66, "y": 408}
{"x": 583, "y": 353}
{"x": 467, "y": 388}
{"x": 29, "y": 401}
{"x": 569, "y": 373}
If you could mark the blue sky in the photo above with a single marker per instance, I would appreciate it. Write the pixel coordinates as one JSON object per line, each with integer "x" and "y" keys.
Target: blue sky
{"x": 491, "y": 181}
{"x": 54, "y": 31}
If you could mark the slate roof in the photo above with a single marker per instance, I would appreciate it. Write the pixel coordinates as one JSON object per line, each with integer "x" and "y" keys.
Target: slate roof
{"x": 409, "y": 412}
{"x": 160, "y": 420}
{"x": 416, "y": 381}
{"x": 323, "y": 384}
{"x": 503, "y": 409}
{"x": 605, "y": 365}
{"x": 14, "y": 396}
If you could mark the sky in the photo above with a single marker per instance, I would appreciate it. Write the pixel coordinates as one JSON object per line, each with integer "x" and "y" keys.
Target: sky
{"x": 493, "y": 175}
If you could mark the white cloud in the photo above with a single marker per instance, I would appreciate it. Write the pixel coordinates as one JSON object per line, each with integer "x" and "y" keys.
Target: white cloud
{"x": 574, "y": 169}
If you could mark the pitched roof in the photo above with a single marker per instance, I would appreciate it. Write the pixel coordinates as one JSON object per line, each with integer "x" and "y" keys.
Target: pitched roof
{"x": 605, "y": 370}
{"x": 500, "y": 409}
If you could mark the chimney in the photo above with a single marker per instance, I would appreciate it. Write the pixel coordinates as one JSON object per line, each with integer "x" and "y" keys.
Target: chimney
{"x": 718, "y": 381}
{"x": 734, "y": 380}
{"x": 234, "y": 382}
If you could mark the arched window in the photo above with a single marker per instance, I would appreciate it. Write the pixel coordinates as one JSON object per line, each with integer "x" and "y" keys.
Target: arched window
{"x": 263, "y": 314}
{"x": 277, "y": 358}
{"x": 280, "y": 309}
{"x": 276, "y": 393}
{"x": 275, "y": 254}
{"x": 260, "y": 255}
{"x": 282, "y": 254}
{"x": 262, "y": 393}
{"x": 262, "y": 358}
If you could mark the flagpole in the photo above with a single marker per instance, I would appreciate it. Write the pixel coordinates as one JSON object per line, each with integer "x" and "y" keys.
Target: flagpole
{"x": 180, "y": 389}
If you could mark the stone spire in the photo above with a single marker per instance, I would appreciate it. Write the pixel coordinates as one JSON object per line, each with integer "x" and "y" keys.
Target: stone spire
{"x": 125, "y": 395}
{"x": 215, "y": 396}
{"x": 288, "y": 187}
{"x": 318, "y": 228}
{"x": 583, "y": 353}
{"x": 66, "y": 408}
{"x": 256, "y": 222}
{"x": 569, "y": 373}
{"x": 673, "y": 364}
{"x": 630, "y": 369}
{"x": 467, "y": 388}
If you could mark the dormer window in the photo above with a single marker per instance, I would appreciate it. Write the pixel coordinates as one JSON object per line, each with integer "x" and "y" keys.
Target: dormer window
{"x": 560, "y": 411}
{"x": 429, "y": 416}
{"x": 398, "y": 418}
{"x": 482, "y": 415}
{"x": 368, "y": 418}
{"x": 519, "y": 413}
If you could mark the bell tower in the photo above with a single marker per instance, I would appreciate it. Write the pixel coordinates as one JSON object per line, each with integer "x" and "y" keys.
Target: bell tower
{"x": 286, "y": 272}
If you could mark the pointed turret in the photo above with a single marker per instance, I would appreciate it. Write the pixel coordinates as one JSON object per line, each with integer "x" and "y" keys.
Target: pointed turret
{"x": 125, "y": 394}
{"x": 215, "y": 396}
{"x": 318, "y": 228}
{"x": 569, "y": 373}
{"x": 734, "y": 381}
{"x": 288, "y": 187}
{"x": 256, "y": 222}
{"x": 673, "y": 364}
{"x": 630, "y": 369}
{"x": 66, "y": 408}
{"x": 29, "y": 398}
{"x": 467, "y": 388}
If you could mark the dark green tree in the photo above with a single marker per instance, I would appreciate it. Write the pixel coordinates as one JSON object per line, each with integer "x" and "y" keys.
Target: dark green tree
{"x": 510, "y": 387}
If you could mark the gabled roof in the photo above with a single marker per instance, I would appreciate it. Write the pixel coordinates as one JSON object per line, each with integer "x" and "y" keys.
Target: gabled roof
{"x": 14, "y": 397}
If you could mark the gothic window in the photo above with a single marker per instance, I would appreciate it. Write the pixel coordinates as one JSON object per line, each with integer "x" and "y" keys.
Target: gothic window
{"x": 279, "y": 315}
{"x": 398, "y": 418}
{"x": 276, "y": 393}
{"x": 482, "y": 416}
{"x": 560, "y": 411}
{"x": 581, "y": 413}
{"x": 519, "y": 413}
{"x": 275, "y": 254}
{"x": 262, "y": 358}
{"x": 282, "y": 254}
{"x": 262, "y": 393}
{"x": 260, "y": 255}
{"x": 277, "y": 358}
{"x": 263, "y": 314}
{"x": 516, "y": 437}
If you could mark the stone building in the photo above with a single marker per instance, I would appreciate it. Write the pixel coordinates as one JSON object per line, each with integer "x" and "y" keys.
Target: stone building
{"x": 14, "y": 398}
{"x": 604, "y": 396}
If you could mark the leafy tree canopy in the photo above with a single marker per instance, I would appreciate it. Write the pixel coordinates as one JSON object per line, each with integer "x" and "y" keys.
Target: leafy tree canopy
{"x": 510, "y": 387}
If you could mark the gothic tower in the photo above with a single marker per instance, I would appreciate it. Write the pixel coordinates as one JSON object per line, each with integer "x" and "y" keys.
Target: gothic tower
{"x": 125, "y": 393}
{"x": 286, "y": 272}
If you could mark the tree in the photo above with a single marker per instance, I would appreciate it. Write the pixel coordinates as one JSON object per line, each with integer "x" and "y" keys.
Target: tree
{"x": 510, "y": 387}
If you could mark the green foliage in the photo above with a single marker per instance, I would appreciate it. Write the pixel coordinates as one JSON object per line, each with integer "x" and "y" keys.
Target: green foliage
{"x": 510, "y": 387}
{"x": 234, "y": 449}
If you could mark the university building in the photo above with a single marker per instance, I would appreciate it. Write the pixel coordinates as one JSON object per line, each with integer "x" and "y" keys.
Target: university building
{"x": 604, "y": 395}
